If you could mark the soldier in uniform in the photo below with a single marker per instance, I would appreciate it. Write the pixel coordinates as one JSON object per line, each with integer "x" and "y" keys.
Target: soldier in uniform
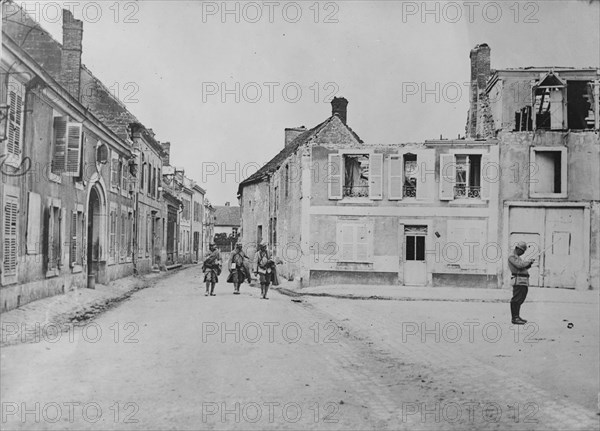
{"x": 212, "y": 269}
{"x": 237, "y": 268}
{"x": 520, "y": 276}
{"x": 263, "y": 268}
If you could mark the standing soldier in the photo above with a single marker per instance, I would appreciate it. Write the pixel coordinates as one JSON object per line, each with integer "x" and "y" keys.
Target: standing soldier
{"x": 264, "y": 268}
{"x": 237, "y": 268}
{"x": 211, "y": 268}
{"x": 518, "y": 267}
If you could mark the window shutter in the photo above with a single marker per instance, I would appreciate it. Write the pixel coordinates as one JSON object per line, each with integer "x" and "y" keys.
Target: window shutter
{"x": 33, "y": 223}
{"x": 114, "y": 170}
{"x": 396, "y": 180}
{"x": 485, "y": 177}
{"x": 426, "y": 181}
{"x": 362, "y": 243}
{"x": 16, "y": 109}
{"x": 123, "y": 175}
{"x": 74, "y": 135}
{"x": 50, "y": 249}
{"x": 62, "y": 236}
{"x": 73, "y": 238}
{"x": 11, "y": 210}
{"x": 59, "y": 158}
{"x": 347, "y": 246}
{"x": 447, "y": 177}
{"x": 376, "y": 176}
{"x": 334, "y": 176}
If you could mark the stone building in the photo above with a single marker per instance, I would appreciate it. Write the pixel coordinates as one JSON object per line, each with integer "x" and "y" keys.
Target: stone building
{"x": 546, "y": 122}
{"x": 198, "y": 194}
{"x": 82, "y": 178}
{"x": 67, "y": 195}
{"x": 338, "y": 210}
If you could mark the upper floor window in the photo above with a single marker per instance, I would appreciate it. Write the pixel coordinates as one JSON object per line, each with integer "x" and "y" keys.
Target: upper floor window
{"x": 355, "y": 175}
{"x": 412, "y": 175}
{"x": 548, "y": 172}
{"x": 66, "y": 147}
{"x": 186, "y": 209}
{"x": 468, "y": 176}
{"x": 409, "y": 188}
{"x": 16, "y": 110}
{"x": 560, "y": 104}
{"x": 461, "y": 176}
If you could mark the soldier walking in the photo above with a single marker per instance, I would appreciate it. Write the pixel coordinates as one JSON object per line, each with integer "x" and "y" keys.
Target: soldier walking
{"x": 520, "y": 276}
{"x": 237, "y": 268}
{"x": 212, "y": 269}
{"x": 264, "y": 269}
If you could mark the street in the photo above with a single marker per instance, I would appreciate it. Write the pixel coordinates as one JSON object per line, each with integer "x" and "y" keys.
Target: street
{"x": 172, "y": 358}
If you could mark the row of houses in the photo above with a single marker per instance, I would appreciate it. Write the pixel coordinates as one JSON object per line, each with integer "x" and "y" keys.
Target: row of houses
{"x": 88, "y": 194}
{"x": 443, "y": 212}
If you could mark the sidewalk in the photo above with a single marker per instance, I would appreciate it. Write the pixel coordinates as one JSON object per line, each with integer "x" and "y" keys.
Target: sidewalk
{"x": 451, "y": 294}
{"x": 24, "y": 324}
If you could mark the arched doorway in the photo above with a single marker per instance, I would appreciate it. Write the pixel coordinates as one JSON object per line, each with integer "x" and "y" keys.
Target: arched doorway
{"x": 93, "y": 236}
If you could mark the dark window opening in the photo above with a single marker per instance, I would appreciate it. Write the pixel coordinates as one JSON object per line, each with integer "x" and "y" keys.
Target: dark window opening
{"x": 580, "y": 114}
{"x": 410, "y": 176}
{"x": 415, "y": 247}
{"x": 549, "y": 168}
{"x": 259, "y": 235}
{"x": 356, "y": 175}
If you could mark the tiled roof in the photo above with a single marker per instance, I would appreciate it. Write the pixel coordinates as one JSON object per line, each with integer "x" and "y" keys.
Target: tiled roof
{"x": 273, "y": 164}
{"x": 227, "y": 216}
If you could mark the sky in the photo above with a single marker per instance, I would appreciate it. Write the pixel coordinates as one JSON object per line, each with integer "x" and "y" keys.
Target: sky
{"x": 222, "y": 80}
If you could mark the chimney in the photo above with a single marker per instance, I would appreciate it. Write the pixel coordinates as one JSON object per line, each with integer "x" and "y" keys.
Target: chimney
{"x": 166, "y": 146}
{"x": 292, "y": 133}
{"x": 480, "y": 73}
{"x": 338, "y": 107}
{"x": 70, "y": 62}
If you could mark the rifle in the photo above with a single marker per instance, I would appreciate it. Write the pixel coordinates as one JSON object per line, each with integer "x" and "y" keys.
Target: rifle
{"x": 544, "y": 250}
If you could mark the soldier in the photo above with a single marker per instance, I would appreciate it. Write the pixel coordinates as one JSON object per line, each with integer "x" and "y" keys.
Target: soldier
{"x": 518, "y": 267}
{"x": 237, "y": 268}
{"x": 264, "y": 269}
{"x": 212, "y": 269}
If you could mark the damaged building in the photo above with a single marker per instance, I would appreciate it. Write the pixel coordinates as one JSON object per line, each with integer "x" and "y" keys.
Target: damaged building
{"x": 546, "y": 122}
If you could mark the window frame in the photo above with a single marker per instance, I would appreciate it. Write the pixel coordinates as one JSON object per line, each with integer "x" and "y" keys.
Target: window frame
{"x": 485, "y": 190}
{"x": 563, "y": 172}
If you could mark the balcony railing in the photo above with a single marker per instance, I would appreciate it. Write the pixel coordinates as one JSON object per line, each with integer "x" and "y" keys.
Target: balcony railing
{"x": 467, "y": 192}
{"x": 356, "y": 191}
{"x": 409, "y": 191}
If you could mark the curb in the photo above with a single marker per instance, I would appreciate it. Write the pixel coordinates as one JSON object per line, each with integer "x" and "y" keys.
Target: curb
{"x": 295, "y": 294}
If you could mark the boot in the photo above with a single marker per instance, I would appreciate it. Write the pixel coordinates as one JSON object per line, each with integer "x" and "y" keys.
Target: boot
{"x": 514, "y": 312}
{"x": 519, "y": 314}
{"x": 212, "y": 289}
{"x": 266, "y": 291}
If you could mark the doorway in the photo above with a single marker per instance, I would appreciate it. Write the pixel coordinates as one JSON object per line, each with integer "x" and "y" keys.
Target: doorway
{"x": 415, "y": 267}
{"x": 93, "y": 236}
